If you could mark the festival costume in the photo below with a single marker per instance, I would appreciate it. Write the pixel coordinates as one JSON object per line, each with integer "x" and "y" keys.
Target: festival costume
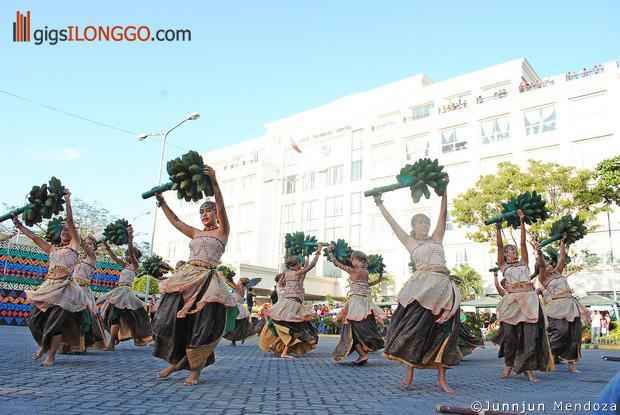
{"x": 191, "y": 317}
{"x": 359, "y": 326}
{"x": 238, "y": 325}
{"x": 423, "y": 331}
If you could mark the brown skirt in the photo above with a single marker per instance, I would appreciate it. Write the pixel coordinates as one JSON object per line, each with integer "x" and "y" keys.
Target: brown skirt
{"x": 190, "y": 340}
{"x": 467, "y": 342}
{"x": 300, "y": 337}
{"x": 415, "y": 339}
{"x": 55, "y": 320}
{"x": 525, "y": 346}
{"x": 364, "y": 333}
{"x": 565, "y": 338}
{"x": 134, "y": 324}
{"x": 243, "y": 330}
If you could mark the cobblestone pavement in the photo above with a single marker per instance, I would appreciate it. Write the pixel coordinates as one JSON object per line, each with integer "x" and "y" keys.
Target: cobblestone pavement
{"x": 245, "y": 380}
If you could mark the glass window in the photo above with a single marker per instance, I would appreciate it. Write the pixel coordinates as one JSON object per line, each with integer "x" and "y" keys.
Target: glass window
{"x": 382, "y": 155}
{"x": 334, "y": 175}
{"x": 247, "y": 183}
{"x": 417, "y": 147}
{"x": 244, "y": 240}
{"x": 453, "y": 139}
{"x": 247, "y": 212}
{"x": 333, "y": 206}
{"x": 310, "y": 216}
{"x": 356, "y": 236}
{"x": 539, "y": 120}
{"x": 290, "y": 184}
{"x": 356, "y": 170}
{"x": 421, "y": 111}
{"x": 495, "y": 130}
{"x": 356, "y": 203}
{"x": 291, "y": 157}
{"x": 308, "y": 181}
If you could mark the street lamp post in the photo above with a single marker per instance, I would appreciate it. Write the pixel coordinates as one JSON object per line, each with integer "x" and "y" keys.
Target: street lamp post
{"x": 142, "y": 137}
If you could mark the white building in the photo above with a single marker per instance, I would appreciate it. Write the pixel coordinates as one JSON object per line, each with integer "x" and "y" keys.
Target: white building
{"x": 470, "y": 123}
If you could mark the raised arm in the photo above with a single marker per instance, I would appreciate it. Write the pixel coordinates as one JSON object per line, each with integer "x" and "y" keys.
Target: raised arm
{"x": 562, "y": 260}
{"x": 75, "y": 236}
{"x": 40, "y": 242}
{"x": 402, "y": 236}
{"x": 311, "y": 264}
{"x": 330, "y": 251}
{"x": 377, "y": 281}
{"x": 541, "y": 267}
{"x": 500, "y": 290}
{"x": 183, "y": 227}
{"x": 500, "y": 245}
{"x": 523, "y": 242}
{"x": 440, "y": 229}
{"x": 222, "y": 217}
{"x": 112, "y": 255}
{"x": 130, "y": 249}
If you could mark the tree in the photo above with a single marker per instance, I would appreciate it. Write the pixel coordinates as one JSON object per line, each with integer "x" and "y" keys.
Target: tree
{"x": 607, "y": 181}
{"x": 470, "y": 282}
{"x": 376, "y": 289}
{"x": 565, "y": 188}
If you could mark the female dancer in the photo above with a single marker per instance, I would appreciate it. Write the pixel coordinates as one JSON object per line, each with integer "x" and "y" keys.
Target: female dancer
{"x": 360, "y": 314}
{"x": 191, "y": 317}
{"x": 423, "y": 331}
{"x": 292, "y": 330}
{"x": 56, "y": 306}
{"x": 92, "y": 334}
{"x": 241, "y": 328}
{"x": 124, "y": 314}
{"x": 563, "y": 311}
{"x": 524, "y": 344}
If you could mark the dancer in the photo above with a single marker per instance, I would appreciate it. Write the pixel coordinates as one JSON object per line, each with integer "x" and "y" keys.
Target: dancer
{"x": 524, "y": 344}
{"x": 191, "y": 317}
{"x": 57, "y": 305}
{"x": 467, "y": 341}
{"x": 290, "y": 329}
{"x": 359, "y": 314}
{"x": 564, "y": 312}
{"x": 423, "y": 331}
{"x": 124, "y": 314}
{"x": 238, "y": 325}
{"x": 92, "y": 332}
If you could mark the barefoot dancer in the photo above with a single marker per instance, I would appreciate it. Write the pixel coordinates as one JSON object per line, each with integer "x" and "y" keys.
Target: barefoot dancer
{"x": 423, "y": 330}
{"x": 524, "y": 344}
{"x": 241, "y": 328}
{"x": 564, "y": 312}
{"x": 360, "y": 314}
{"x": 291, "y": 323}
{"x": 124, "y": 314}
{"x": 57, "y": 305}
{"x": 191, "y": 317}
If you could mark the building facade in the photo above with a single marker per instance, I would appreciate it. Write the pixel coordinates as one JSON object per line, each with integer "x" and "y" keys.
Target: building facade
{"x": 470, "y": 123}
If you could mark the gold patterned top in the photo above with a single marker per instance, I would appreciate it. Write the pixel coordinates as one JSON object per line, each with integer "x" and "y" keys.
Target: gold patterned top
{"x": 516, "y": 273}
{"x": 127, "y": 276}
{"x": 206, "y": 249}
{"x": 83, "y": 273}
{"x": 427, "y": 254}
{"x": 558, "y": 286}
{"x": 293, "y": 288}
{"x": 359, "y": 287}
{"x": 64, "y": 258}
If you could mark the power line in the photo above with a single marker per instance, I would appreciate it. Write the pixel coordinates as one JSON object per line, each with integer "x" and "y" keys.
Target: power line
{"x": 79, "y": 117}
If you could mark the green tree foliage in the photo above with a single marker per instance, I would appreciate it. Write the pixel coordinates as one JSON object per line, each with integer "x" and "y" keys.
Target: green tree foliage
{"x": 470, "y": 281}
{"x": 565, "y": 188}
{"x": 375, "y": 290}
{"x": 607, "y": 181}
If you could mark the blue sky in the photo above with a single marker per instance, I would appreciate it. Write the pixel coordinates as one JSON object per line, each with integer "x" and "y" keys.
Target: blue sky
{"x": 248, "y": 63}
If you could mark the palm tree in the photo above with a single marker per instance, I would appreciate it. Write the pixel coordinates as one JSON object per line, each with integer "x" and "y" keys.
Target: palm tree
{"x": 470, "y": 282}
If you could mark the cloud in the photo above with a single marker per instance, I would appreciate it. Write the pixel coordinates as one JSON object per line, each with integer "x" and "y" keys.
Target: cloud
{"x": 65, "y": 154}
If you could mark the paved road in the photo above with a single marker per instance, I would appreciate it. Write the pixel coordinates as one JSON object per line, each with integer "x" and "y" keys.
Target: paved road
{"x": 245, "y": 380}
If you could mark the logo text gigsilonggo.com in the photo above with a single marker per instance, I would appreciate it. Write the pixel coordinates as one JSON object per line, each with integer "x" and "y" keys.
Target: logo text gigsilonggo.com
{"x": 109, "y": 34}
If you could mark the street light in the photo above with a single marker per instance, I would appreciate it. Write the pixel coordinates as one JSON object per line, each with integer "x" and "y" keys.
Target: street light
{"x": 138, "y": 216}
{"x": 141, "y": 137}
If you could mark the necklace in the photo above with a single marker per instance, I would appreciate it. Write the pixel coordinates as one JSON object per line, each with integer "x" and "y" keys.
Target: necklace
{"x": 210, "y": 228}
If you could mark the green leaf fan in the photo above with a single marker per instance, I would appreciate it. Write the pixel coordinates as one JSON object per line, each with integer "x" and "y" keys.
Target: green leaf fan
{"x": 155, "y": 266}
{"x": 116, "y": 232}
{"x": 342, "y": 252}
{"x": 574, "y": 228}
{"x": 375, "y": 264}
{"x": 532, "y": 204}
{"x": 53, "y": 231}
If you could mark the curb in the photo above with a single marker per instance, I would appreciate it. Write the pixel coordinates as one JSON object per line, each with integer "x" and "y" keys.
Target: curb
{"x": 600, "y": 347}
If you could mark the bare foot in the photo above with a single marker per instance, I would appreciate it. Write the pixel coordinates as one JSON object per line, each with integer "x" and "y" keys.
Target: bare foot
{"x": 445, "y": 387}
{"x": 405, "y": 384}
{"x": 164, "y": 373}
{"x": 506, "y": 372}
{"x": 37, "y": 355}
{"x": 531, "y": 377}
{"x": 192, "y": 379}
{"x": 287, "y": 356}
{"x": 49, "y": 361}
{"x": 360, "y": 361}
{"x": 572, "y": 368}
{"x": 110, "y": 348}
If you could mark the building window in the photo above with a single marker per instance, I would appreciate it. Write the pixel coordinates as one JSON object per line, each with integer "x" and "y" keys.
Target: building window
{"x": 382, "y": 155}
{"x": 421, "y": 111}
{"x": 449, "y": 224}
{"x": 417, "y": 147}
{"x": 355, "y": 238}
{"x": 460, "y": 256}
{"x": 334, "y": 175}
{"x": 247, "y": 183}
{"x": 495, "y": 130}
{"x": 291, "y": 157}
{"x": 310, "y": 216}
{"x": 356, "y": 203}
{"x": 244, "y": 240}
{"x": 356, "y": 155}
{"x": 308, "y": 181}
{"x": 453, "y": 139}
{"x": 330, "y": 270}
{"x": 290, "y": 184}
{"x": 229, "y": 188}
{"x": 288, "y": 217}
{"x": 356, "y": 170}
{"x": 247, "y": 213}
{"x": 333, "y": 206}
{"x": 379, "y": 227}
{"x": 539, "y": 120}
